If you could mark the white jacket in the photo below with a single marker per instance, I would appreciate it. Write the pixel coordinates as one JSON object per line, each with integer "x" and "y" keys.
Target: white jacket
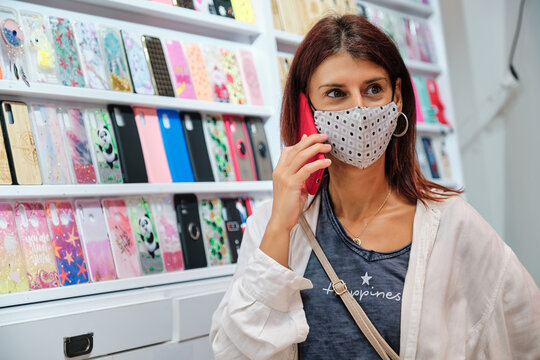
{"x": 466, "y": 295}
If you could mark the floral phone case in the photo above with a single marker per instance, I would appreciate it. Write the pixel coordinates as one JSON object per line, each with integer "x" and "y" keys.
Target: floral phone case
{"x": 12, "y": 46}
{"x": 50, "y": 148}
{"x": 138, "y": 66}
{"x": 103, "y": 144}
{"x": 162, "y": 207}
{"x": 146, "y": 236}
{"x": 76, "y": 143}
{"x": 122, "y": 241}
{"x": 216, "y": 74}
{"x": 67, "y": 57}
{"x": 115, "y": 58}
{"x": 12, "y": 267}
{"x": 214, "y": 232}
{"x": 197, "y": 69}
{"x": 96, "y": 244}
{"x": 218, "y": 147}
{"x": 92, "y": 57}
{"x": 37, "y": 246}
{"x": 41, "y": 57}
{"x": 232, "y": 76}
{"x": 66, "y": 242}
{"x": 183, "y": 86}
{"x": 248, "y": 72}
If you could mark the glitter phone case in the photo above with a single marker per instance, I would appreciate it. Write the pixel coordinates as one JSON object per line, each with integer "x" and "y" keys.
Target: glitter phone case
{"x": 92, "y": 57}
{"x": 179, "y": 70}
{"x": 12, "y": 46}
{"x": 138, "y": 66}
{"x": 232, "y": 76}
{"x": 241, "y": 153}
{"x": 197, "y": 69}
{"x": 250, "y": 80}
{"x": 216, "y": 74}
{"x": 115, "y": 59}
{"x": 214, "y": 232}
{"x": 37, "y": 246}
{"x": 218, "y": 147}
{"x": 67, "y": 57}
{"x": 158, "y": 66}
{"x": 103, "y": 144}
{"x": 12, "y": 267}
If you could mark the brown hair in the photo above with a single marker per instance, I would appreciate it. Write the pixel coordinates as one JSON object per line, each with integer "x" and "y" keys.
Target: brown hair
{"x": 361, "y": 39}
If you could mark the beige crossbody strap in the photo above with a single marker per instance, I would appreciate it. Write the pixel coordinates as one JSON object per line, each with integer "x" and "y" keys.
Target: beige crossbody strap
{"x": 340, "y": 288}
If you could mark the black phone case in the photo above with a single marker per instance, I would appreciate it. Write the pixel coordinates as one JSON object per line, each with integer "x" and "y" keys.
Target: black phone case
{"x": 158, "y": 66}
{"x": 129, "y": 145}
{"x": 196, "y": 144}
{"x": 233, "y": 224}
{"x": 224, "y": 8}
{"x": 259, "y": 144}
{"x": 189, "y": 228}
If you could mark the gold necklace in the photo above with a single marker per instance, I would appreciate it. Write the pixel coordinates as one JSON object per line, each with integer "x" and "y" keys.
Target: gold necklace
{"x": 356, "y": 239}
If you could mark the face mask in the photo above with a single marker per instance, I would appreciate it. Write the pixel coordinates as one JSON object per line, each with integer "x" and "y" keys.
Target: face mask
{"x": 359, "y": 136}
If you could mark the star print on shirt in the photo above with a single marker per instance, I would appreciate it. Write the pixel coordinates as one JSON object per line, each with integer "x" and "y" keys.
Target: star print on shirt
{"x": 365, "y": 278}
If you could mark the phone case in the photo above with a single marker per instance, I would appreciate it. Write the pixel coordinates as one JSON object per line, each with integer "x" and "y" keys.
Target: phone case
{"x": 122, "y": 240}
{"x": 175, "y": 145}
{"x": 427, "y": 109}
{"x": 248, "y": 72}
{"x": 180, "y": 70}
{"x": 95, "y": 240}
{"x": 428, "y": 148}
{"x": 19, "y": 142}
{"x": 214, "y": 232}
{"x": 196, "y": 145}
{"x": 12, "y": 267}
{"x": 197, "y": 69}
{"x": 259, "y": 144}
{"x": 188, "y": 4}
{"x": 36, "y": 244}
{"x": 164, "y": 215}
{"x": 138, "y": 66}
{"x": 41, "y": 58}
{"x": 50, "y": 148}
{"x": 12, "y": 46}
{"x": 67, "y": 57}
{"x": 129, "y": 144}
{"x": 218, "y": 148}
{"x": 77, "y": 147}
{"x": 115, "y": 58}
{"x": 224, "y": 8}
{"x": 435, "y": 100}
{"x": 421, "y": 156}
{"x": 204, "y": 6}
{"x": 232, "y": 76}
{"x": 284, "y": 65}
{"x": 241, "y": 152}
{"x": 235, "y": 216}
{"x": 216, "y": 74}
{"x": 418, "y": 105}
{"x": 146, "y": 236}
{"x": 157, "y": 166}
{"x": 441, "y": 157}
{"x": 166, "y": 2}
{"x": 69, "y": 254}
{"x": 243, "y": 10}
{"x": 92, "y": 58}
{"x": 158, "y": 66}
{"x": 5, "y": 171}
{"x": 189, "y": 226}
{"x": 103, "y": 145}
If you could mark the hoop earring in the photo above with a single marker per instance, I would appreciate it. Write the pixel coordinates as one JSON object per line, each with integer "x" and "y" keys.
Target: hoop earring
{"x": 406, "y": 127}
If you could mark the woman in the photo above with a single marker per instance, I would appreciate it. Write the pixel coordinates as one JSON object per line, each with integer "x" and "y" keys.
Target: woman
{"x": 433, "y": 277}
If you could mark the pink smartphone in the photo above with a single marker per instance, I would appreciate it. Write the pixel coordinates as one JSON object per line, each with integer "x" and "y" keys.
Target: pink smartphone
{"x": 155, "y": 158}
{"x": 307, "y": 127}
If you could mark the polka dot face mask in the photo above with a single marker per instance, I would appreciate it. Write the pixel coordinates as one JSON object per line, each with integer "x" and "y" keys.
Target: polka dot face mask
{"x": 359, "y": 136}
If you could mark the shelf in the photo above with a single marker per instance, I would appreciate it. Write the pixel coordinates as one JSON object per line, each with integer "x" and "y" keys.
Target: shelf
{"x": 433, "y": 129}
{"x": 35, "y": 296}
{"x": 423, "y": 68}
{"x": 287, "y": 42}
{"x": 47, "y": 92}
{"x": 405, "y": 6}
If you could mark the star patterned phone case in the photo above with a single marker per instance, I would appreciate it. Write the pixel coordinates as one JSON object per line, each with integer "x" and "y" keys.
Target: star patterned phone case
{"x": 12, "y": 267}
{"x": 12, "y": 46}
{"x": 115, "y": 59}
{"x": 179, "y": 70}
{"x": 92, "y": 57}
{"x": 216, "y": 74}
{"x": 36, "y": 245}
{"x": 70, "y": 71}
{"x": 138, "y": 66}
{"x": 250, "y": 80}
{"x": 218, "y": 147}
{"x": 232, "y": 76}
{"x": 197, "y": 69}
{"x": 214, "y": 232}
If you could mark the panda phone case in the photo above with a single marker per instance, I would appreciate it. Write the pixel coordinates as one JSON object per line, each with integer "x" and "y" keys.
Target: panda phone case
{"x": 197, "y": 69}
{"x": 189, "y": 227}
{"x": 5, "y": 171}
{"x": 218, "y": 147}
{"x": 250, "y": 80}
{"x": 175, "y": 145}
{"x": 95, "y": 240}
{"x": 233, "y": 76}
{"x": 36, "y": 244}
{"x": 259, "y": 144}
{"x": 66, "y": 242}
{"x": 138, "y": 65}
{"x": 214, "y": 232}
{"x": 19, "y": 142}
{"x": 145, "y": 235}
{"x": 234, "y": 216}
{"x": 123, "y": 244}
{"x": 77, "y": 147}
{"x": 157, "y": 166}
{"x": 92, "y": 58}
{"x": 196, "y": 145}
{"x": 12, "y": 267}
{"x": 180, "y": 70}
{"x": 68, "y": 62}
{"x": 103, "y": 145}
{"x": 241, "y": 153}
{"x": 115, "y": 59}
{"x": 158, "y": 66}
{"x": 224, "y": 8}
{"x": 129, "y": 144}
{"x": 216, "y": 74}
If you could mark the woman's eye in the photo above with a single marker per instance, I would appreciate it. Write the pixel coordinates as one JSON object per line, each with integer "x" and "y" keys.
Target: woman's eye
{"x": 374, "y": 89}
{"x": 335, "y": 93}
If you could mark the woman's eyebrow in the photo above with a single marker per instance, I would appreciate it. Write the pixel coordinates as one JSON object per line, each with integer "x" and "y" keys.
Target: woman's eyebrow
{"x": 331, "y": 85}
{"x": 343, "y": 85}
{"x": 375, "y": 79}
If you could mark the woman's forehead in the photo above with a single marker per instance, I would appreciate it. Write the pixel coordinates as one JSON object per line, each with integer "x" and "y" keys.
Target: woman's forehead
{"x": 342, "y": 68}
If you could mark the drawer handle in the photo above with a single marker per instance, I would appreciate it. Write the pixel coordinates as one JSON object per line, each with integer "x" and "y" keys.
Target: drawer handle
{"x": 78, "y": 345}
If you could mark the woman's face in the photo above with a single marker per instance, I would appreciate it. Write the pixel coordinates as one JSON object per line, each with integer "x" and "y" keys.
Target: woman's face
{"x": 342, "y": 82}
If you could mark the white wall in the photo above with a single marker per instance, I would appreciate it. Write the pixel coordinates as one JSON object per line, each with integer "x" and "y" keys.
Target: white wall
{"x": 499, "y": 127}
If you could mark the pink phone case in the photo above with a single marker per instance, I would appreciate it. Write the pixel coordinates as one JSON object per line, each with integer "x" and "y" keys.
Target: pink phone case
{"x": 96, "y": 244}
{"x": 240, "y": 146}
{"x": 12, "y": 267}
{"x": 419, "y": 113}
{"x": 183, "y": 85}
{"x": 154, "y": 154}
{"x": 122, "y": 241}
{"x": 37, "y": 246}
{"x": 197, "y": 69}
{"x": 252, "y": 88}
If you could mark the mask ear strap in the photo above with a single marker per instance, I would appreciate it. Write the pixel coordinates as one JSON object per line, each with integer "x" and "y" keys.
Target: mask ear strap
{"x": 393, "y": 92}
{"x": 311, "y": 105}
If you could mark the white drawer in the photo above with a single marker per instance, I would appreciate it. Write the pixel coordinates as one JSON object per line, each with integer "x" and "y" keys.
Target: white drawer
{"x": 196, "y": 349}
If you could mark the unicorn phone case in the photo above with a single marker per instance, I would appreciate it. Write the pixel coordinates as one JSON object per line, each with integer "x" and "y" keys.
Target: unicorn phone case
{"x": 122, "y": 241}
{"x": 232, "y": 76}
{"x": 103, "y": 144}
{"x": 115, "y": 59}
{"x": 197, "y": 69}
{"x": 69, "y": 254}
{"x": 138, "y": 66}
{"x": 12, "y": 46}
{"x": 92, "y": 57}
{"x": 218, "y": 147}
{"x": 5, "y": 172}
{"x": 68, "y": 63}
{"x": 214, "y": 232}
{"x": 146, "y": 236}
{"x": 158, "y": 66}
{"x": 12, "y": 267}
{"x": 198, "y": 153}
{"x": 95, "y": 240}
{"x": 179, "y": 69}
{"x": 164, "y": 215}
{"x": 76, "y": 144}
{"x": 216, "y": 74}
{"x": 36, "y": 244}
{"x": 259, "y": 144}
{"x": 248, "y": 72}
{"x": 189, "y": 226}
{"x": 241, "y": 153}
